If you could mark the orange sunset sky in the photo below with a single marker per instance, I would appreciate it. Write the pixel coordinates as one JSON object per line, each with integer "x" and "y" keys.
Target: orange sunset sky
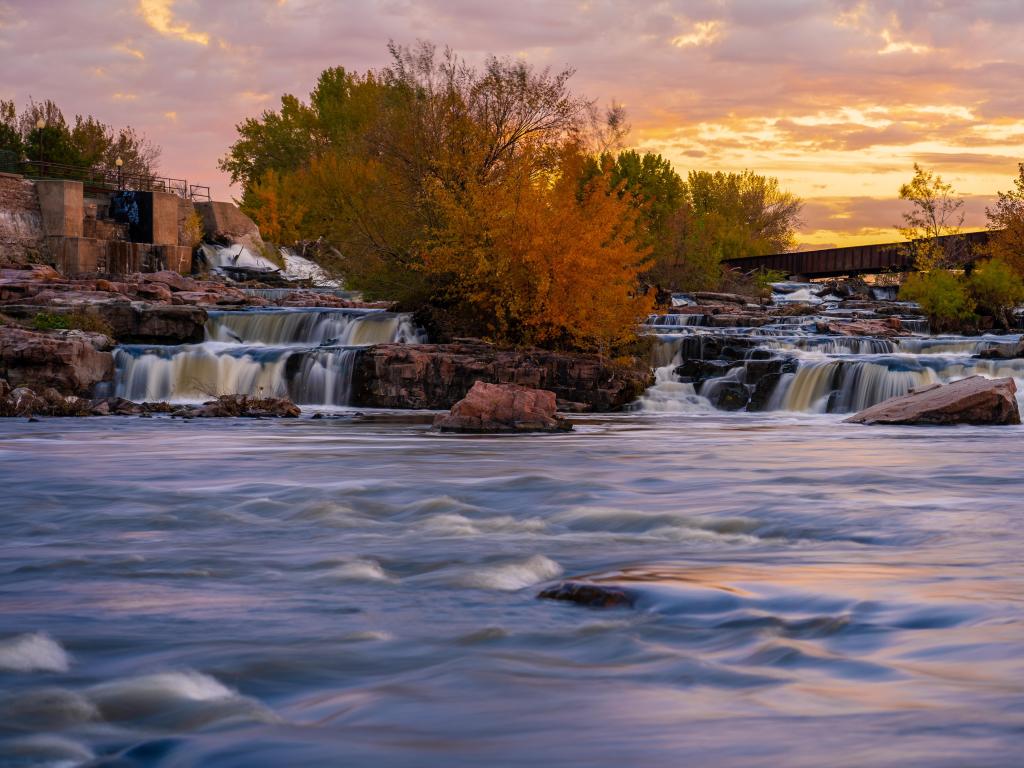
{"x": 838, "y": 98}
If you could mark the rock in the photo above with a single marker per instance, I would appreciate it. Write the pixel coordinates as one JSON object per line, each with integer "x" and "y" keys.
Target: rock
{"x": 72, "y": 362}
{"x": 490, "y": 408}
{"x": 436, "y": 376}
{"x": 884, "y": 327}
{"x": 726, "y": 395}
{"x": 763, "y": 391}
{"x": 1003, "y": 351}
{"x": 591, "y": 595}
{"x": 727, "y": 298}
{"x": 975, "y": 400}
{"x": 225, "y": 223}
{"x": 699, "y": 370}
{"x": 172, "y": 280}
{"x": 244, "y": 405}
{"x": 23, "y": 401}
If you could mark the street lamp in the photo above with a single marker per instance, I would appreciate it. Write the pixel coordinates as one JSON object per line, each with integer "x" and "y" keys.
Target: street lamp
{"x": 119, "y": 162}
{"x": 40, "y": 124}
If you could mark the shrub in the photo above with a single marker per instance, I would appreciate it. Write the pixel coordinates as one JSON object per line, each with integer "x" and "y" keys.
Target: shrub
{"x": 942, "y": 295}
{"x": 995, "y": 287}
{"x": 79, "y": 321}
{"x": 45, "y": 321}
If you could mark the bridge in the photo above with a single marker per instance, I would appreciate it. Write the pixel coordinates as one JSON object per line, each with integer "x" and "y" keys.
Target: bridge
{"x": 852, "y": 260}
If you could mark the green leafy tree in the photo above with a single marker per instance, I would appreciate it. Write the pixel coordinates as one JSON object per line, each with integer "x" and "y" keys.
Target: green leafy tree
{"x": 996, "y": 288}
{"x": 943, "y": 297}
{"x": 936, "y": 212}
{"x": 10, "y": 136}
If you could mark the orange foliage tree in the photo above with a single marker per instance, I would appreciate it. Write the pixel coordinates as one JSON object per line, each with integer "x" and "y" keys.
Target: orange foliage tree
{"x": 537, "y": 261}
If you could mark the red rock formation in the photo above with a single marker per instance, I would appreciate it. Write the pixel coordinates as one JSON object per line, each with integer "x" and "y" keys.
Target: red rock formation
{"x": 72, "y": 362}
{"x": 975, "y": 400}
{"x": 489, "y": 408}
{"x": 436, "y": 376}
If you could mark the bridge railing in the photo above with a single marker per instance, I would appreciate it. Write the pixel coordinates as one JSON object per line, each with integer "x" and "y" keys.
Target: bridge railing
{"x": 104, "y": 179}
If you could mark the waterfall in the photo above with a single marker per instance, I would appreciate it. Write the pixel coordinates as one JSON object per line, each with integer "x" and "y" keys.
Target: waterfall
{"x": 789, "y": 368}
{"x": 307, "y": 355}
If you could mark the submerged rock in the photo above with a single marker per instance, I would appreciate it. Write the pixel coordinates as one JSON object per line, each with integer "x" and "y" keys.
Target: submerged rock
{"x": 591, "y": 595}
{"x": 490, "y": 408}
{"x": 244, "y": 405}
{"x": 975, "y": 400}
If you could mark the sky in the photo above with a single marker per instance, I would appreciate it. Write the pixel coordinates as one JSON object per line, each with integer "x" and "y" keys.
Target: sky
{"x": 837, "y": 98}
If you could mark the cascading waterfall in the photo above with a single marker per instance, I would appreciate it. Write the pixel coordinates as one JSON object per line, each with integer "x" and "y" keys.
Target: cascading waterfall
{"x": 307, "y": 355}
{"x": 822, "y": 374}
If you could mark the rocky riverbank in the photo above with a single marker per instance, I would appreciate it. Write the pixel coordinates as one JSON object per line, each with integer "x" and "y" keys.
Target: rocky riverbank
{"x": 141, "y": 308}
{"x": 436, "y": 376}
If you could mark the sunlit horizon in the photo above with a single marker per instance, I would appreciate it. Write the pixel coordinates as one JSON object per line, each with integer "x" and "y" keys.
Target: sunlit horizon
{"x": 837, "y": 99}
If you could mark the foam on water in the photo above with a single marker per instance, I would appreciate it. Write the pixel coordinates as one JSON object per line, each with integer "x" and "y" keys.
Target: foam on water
{"x": 508, "y": 577}
{"x": 37, "y": 652}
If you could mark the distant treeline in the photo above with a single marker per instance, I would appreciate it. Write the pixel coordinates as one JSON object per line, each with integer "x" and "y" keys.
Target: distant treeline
{"x": 40, "y": 132}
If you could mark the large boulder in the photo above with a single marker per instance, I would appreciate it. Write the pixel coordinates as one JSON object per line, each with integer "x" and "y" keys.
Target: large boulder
{"x": 225, "y": 223}
{"x": 72, "y": 362}
{"x": 436, "y": 376}
{"x": 490, "y": 408}
{"x": 975, "y": 400}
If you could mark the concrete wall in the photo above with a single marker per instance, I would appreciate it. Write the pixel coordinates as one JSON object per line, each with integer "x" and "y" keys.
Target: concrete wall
{"x": 61, "y": 204}
{"x": 165, "y": 218}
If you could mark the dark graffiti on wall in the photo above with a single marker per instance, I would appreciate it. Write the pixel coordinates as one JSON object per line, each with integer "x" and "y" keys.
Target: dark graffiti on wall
{"x": 136, "y": 210}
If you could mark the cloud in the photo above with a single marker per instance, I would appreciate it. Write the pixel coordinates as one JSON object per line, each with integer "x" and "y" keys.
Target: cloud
{"x": 703, "y": 33}
{"x": 158, "y": 15}
{"x": 800, "y": 89}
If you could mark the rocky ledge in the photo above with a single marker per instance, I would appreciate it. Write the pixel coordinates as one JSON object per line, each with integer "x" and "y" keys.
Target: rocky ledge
{"x": 72, "y": 362}
{"x": 23, "y": 401}
{"x": 974, "y": 400}
{"x": 493, "y": 408}
{"x": 141, "y": 308}
{"x": 436, "y": 376}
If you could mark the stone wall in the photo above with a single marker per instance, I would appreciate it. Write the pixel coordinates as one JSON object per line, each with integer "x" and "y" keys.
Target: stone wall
{"x": 21, "y": 226}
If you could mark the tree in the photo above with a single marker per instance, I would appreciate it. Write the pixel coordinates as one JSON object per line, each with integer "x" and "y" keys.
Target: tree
{"x": 87, "y": 143}
{"x": 935, "y": 212}
{"x": 943, "y": 297}
{"x": 537, "y": 261}
{"x": 996, "y": 289}
{"x": 10, "y": 136}
{"x": 1006, "y": 222}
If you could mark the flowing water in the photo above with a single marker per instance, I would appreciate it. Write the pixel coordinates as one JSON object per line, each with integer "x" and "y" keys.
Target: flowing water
{"x": 362, "y": 592}
{"x": 304, "y": 354}
{"x": 834, "y": 374}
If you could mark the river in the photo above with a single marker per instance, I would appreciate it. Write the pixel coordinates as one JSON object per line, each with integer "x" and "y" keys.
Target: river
{"x": 359, "y": 591}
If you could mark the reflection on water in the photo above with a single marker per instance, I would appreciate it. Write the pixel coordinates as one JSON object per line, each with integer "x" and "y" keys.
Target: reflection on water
{"x": 357, "y": 592}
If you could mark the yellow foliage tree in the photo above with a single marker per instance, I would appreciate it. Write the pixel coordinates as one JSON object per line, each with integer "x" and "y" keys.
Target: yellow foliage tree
{"x": 275, "y": 203}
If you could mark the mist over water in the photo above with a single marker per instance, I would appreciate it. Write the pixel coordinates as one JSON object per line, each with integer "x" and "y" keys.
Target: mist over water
{"x": 360, "y": 591}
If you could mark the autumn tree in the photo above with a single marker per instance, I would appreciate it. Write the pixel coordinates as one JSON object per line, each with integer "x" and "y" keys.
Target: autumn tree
{"x": 936, "y": 212}
{"x": 537, "y": 260}
{"x": 1006, "y": 222}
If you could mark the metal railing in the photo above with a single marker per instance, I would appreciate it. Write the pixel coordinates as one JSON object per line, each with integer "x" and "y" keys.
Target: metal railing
{"x": 107, "y": 180}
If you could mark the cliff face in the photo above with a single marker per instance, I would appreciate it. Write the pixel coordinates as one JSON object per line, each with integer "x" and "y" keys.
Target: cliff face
{"x": 21, "y": 225}
{"x": 436, "y": 376}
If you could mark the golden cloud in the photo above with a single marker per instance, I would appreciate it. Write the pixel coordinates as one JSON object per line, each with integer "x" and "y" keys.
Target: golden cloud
{"x": 158, "y": 15}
